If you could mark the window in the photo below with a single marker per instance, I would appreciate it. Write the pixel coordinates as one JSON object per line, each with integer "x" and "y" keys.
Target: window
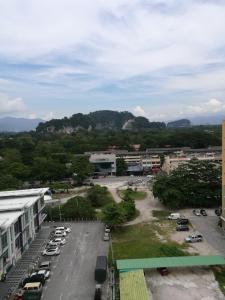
{"x": 18, "y": 242}
{"x": 4, "y": 240}
{"x": 5, "y": 257}
{"x": 26, "y": 217}
{"x": 42, "y": 201}
{"x": 17, "y": 227}
{"x": 27, "y": 233}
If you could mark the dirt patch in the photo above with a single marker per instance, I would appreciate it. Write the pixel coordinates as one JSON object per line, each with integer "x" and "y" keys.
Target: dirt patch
{"x": 185, "y": 284}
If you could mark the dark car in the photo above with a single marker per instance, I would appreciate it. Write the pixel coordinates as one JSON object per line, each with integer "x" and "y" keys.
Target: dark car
{"x": 203, "y": 212}
{"x": 218, "y": 211}
{"x": 182, "y": 221}
{"x": 163, "y": 271}
{"x": 182, "y": 228}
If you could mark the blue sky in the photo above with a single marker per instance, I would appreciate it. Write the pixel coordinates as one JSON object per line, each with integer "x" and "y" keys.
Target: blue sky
{"x": 163, "y": 59}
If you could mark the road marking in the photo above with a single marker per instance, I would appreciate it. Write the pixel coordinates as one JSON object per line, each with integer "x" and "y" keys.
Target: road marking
{"x": 61, "y": 296}
{"x": 67, "y": 277}
{"x": 74, "y": 252}
{"x": 71, "y": 263}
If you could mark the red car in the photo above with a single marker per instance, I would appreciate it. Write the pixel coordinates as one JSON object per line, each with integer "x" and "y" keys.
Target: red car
{"x": 163, "y": 271}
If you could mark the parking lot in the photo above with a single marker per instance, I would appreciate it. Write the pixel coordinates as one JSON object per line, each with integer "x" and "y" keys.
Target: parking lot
{"x": 72, "y": 275}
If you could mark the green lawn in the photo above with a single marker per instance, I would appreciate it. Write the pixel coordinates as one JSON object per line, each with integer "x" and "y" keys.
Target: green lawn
{"x": 134, "y": 195}
{"x": 220, "y": 277}
{"x": 160, "y": 214}
{"x": 141, "y": 241}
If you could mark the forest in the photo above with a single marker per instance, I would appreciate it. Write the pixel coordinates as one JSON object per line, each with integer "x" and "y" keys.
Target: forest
{"x": 51, "y": 156}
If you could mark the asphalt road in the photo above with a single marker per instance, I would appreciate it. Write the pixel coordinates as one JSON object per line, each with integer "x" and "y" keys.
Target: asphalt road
{"x": 72, "y": 275}
{"x": 207, "y": 226}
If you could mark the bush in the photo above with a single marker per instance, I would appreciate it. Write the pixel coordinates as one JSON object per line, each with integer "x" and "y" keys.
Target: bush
{"x": 99, "y": 196}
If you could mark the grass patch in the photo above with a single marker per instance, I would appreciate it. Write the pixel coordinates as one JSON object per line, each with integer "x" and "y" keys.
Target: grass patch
{"x": 219, "y": 273}
{"x": 134, "y": 195}
{"x": 160, "y": 214}
{"x": 141, "y": 241}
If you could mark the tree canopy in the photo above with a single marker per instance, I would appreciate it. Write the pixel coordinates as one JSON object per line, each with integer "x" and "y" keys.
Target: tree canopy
{"x": 195, "y": 184}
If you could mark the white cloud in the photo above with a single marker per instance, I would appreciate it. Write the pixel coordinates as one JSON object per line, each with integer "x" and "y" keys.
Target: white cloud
{"x": 8, "y": 105}
{"x": 48, "y": 116}
{"x": 139, "y": 111}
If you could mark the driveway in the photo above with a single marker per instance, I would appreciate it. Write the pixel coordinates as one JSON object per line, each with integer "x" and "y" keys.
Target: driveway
{"x": 207, "y": 226}
{"x": 73, "y": 270}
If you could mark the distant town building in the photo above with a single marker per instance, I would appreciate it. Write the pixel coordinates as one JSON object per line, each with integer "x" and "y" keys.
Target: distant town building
{"x": 104, "y": 164}
{"x": 174, "y": 160}
{"x": 21, "y": 217}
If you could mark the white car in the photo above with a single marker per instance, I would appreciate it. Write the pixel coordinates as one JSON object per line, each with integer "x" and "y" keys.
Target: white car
{"x": 51, "y": 252}
{"x": 62, "y": 228}
{"x": 107, "y": 230}
{"x": 194, "y": 238}
{"x": 60, "y": 241}
{"x": 59, "y": 233}
{"x": 106, "y": 237}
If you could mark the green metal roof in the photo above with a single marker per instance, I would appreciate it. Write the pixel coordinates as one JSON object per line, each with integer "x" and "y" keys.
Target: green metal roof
{"x": 133, "y": 286}
{"x": 182, "y": 261}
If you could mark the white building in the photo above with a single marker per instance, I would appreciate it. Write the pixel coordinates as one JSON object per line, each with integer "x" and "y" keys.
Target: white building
{"x": 104, "y": 163}
{"x": 21, "y": 216}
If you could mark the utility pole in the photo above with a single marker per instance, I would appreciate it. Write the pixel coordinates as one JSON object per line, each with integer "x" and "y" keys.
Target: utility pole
{"x": 60, "y": 215}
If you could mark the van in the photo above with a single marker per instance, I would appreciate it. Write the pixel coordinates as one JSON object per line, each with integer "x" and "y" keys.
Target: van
{"x": 174, "y": 216}
{"x": 33, "y": 286}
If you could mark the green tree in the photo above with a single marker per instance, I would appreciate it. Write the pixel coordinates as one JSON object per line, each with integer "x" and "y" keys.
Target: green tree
{"x": 99, "y": 196}
{"x": 112, "y": 215}
{"x": 8, "y": 182}
{"x": 121, "y": 167}
{"x": 81, "y": 168}
{"x": 196, "y": 184}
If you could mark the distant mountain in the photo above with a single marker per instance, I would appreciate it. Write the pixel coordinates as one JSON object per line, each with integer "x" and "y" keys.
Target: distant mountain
{"x": 212, "y": 119}
{"x": 98, "y": 120}
{"x": 179, "y": 123}
{"x": 11, "y": 124}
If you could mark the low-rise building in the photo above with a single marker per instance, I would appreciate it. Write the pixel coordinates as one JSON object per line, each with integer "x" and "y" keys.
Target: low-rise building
{"x": 173, "y": 161}
{"x": 21, "y": 216}
{"x": 104, "y": 164}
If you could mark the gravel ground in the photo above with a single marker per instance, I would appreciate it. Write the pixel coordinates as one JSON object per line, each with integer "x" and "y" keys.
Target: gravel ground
{"x": 184, "y": 284}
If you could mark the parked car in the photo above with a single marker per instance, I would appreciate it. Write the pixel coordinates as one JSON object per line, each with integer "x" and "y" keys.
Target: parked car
{"x": 63, "y": 228}
{"x": 218, "y": 211}
{"x": 182, "y": 221}
{"x": 196, "y": 212}
{"x": 51, "y": 251}
{"x": 107, "y": 230}
{"x": 203, "y": 212}
{"x": 57, "y": 241}
{"x": 106, "y": 237}
{"x": 45, "y": 265}
{"x": 174, "y": 216}
{"x": 59, "y": 233}
{"x": 45, "y": 273}
{"x": 163, "y": 271}
{"x": 182, "y": 228}
{"x": 193, "y": 238}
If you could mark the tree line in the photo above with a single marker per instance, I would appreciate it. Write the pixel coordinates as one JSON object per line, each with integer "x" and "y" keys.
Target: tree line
{"x": 51, "y": 157}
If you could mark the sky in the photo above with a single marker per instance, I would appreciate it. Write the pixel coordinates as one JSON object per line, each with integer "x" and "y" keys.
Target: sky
{"x": 162, "y": 59}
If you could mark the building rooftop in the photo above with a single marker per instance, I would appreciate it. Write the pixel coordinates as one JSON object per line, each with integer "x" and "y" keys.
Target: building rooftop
{"x": 133, "y": 286}
{"x": 23, "y": 193}
{"x": 8, "y": 218}
{"x": 7, "y": 204}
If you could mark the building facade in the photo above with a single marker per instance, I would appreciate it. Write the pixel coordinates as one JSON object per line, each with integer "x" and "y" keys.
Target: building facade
{"x": 21, "y": 217}
{"x": 104, "y": 164}
{"x": 174, "y": 160}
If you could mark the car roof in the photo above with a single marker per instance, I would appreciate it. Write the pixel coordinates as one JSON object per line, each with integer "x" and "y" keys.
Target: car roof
{"x": 46, "y": 262}
{"x": 31, "y": 285}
